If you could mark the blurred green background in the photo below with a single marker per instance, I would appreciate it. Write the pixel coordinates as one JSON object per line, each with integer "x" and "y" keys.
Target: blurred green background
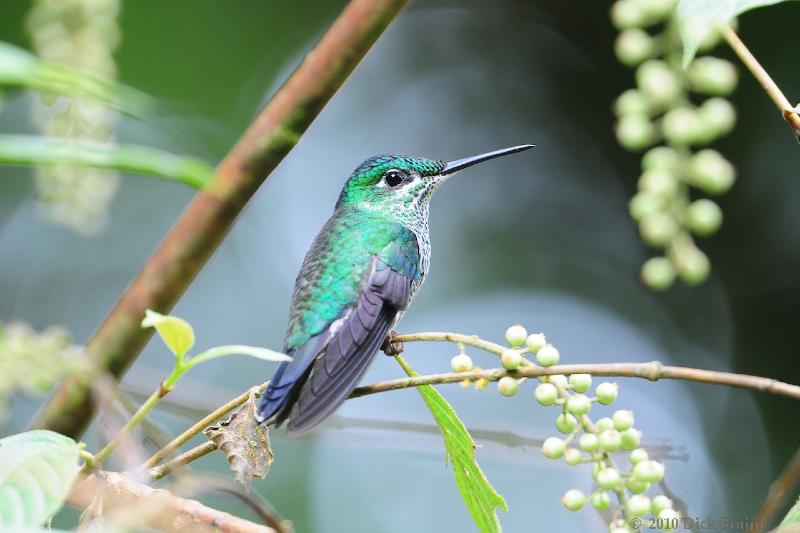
{"x": 541, "y": 238}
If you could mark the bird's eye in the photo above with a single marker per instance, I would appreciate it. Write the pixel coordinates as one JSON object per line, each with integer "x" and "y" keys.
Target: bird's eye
{"x": 393, "y": 178}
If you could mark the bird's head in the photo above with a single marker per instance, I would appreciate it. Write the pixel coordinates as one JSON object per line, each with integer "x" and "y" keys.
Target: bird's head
{"x": 402, "y": 185}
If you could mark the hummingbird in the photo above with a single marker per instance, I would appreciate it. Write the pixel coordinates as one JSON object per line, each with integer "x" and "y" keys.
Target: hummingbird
{"x": 356, "y": 282}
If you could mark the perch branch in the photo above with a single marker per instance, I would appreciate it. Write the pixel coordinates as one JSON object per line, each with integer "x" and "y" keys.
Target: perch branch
{"x": 778, "y": 491}
{"x": 206, "y": 221}
{"x": 157, "y": 509}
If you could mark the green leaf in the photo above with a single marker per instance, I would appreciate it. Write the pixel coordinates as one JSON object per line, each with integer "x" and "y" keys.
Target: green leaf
{"x": 698, "y": 18}
{"x": 479, "y": 495}
{"x": 791, "y": 520}
{"x": 37, "y": 469}
{"x": 238, "y": 349}
{"x": 176, "y": 333}
{"x": 37, "y": 150}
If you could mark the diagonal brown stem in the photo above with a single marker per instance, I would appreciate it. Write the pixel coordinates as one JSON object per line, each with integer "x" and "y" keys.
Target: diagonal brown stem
{"x": 206, "y": 221}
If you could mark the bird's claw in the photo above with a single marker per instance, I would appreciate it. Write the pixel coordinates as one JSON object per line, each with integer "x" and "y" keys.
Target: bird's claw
{"x": 390, "y": 347}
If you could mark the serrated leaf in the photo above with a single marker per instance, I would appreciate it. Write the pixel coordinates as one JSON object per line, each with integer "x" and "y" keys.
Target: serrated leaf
{"x": 37, "y": 469}
{"x": 244, "y": 442}
{"x": 479, "y": 495}
{"x": 698, "y": 18}
{"x": 176, "y": 333}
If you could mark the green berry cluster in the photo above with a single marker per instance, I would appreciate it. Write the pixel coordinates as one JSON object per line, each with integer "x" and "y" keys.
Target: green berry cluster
{"x": 665, "y": 115}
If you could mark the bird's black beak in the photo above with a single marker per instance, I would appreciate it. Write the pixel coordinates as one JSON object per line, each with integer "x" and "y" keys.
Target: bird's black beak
{"x": 460, "y": 164}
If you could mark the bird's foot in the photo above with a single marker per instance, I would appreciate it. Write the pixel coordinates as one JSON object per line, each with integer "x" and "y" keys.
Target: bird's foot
{"x": 390, "y": 347}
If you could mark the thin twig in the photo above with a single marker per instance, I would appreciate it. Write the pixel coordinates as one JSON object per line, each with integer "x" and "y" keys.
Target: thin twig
{"x": 788, "y": 111}
{"x": 778, "y": 490}
{"x": 183, "y": 459}
{"x": 206, "y": 221}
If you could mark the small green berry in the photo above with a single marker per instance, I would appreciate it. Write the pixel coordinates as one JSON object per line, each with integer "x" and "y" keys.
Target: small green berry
{"x": 578, "y": 404}
{"x": 638, "y": 455}
{"x": 566, "y": 423}
{"x": 609, "y": 440}
{"x": 658, "y": 229}
{"x": 631, "y": 438}
{"x": 632, "y": 102}
{"x": 637, "y": 486}
{"x": 661, "y": 158}
{"x": 508, "y": 386}
{"x": 546, "y": 394}
{"x": 639, "y": 505}
{"x": 603, "y": 424}
{"x": 635, "y": 132}
{"x": 516, "y": 335}
{"x": 670, "y": 519}
{"x": 718, "y": 116}
{"x": 511, "y": 359}
{"x": 704, "y": 217}
{"x": 650, "y": 471}
{"x": 711, "y": 172}
{"x": 693, "y": 265}
{"x": 588, "y": 442}
{"x": 623, "y": 419}
{"x": 572, "y": 456}
{"x": 711, "y": 75}
{"x": 628, "y": 14}
{"x": 608, "y": 478}
{"x": 553, "y": 447}
{"x": 606, "y": 393}
{"x": 657, "y": 10}
{"x": 461, "y": 363}
{"x": 633, "y": 46}
{"x": 644, "y": 204}
{"x": 682, "y": 126}
{"x": 658, "y": 273}
{"x": 596, "y": 467}
{"x": 535, "y": 342}
{"x": 657, "y": 80}
{"x": 547, "y": 355}
{"x": 580, "y": 382}
{"x": 601, "y": 501}
{"x": 659, "y": 182}
{"x": 573, "y": 500}
{"x": 559, "y": 380}
{"x": 659, "y": 503}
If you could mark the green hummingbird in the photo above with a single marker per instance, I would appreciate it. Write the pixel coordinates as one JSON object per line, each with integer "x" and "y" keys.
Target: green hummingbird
{"x": 357, "y": 280}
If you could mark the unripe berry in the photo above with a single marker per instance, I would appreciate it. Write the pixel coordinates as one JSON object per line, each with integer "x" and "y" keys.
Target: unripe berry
{"x": 635, "y": 132}
{"x": 603, "y": 424}
{"x": 578, "y": 404}
{"x": 693, "y": 266}
{"x": 633, "y": 46}
{"x": 704, "y": 217}
{"x": 606, "y": 393}
{"x": 658, "y": 229}
{"x": 639, "y": 505}
{"x": 609, "y": 440}
{"x": 645, "y": 204}
{"x": 659, "y": 182}
{"x": 559, "y": 380}
{"x": 656, "y": 80}
{"x": 580, "y": 382}
{"x": 535, "y": 342}
{"x": 573, "y": 500}
{"x": 623, "y": 419}
{"x": 572, "y": 456}
{"x": 546, "y": 394}
{"x": 630, "y": 439}
{"x": 508, "y": 386}
{"x": 661, "y": 158}
{"x": 628, "y": 14}
{"x": 637, "y": 486}
{"x": 650, "y": 471}
{"x": 718, "y": 116}
{"x": 711, "y": 75}
{"x": 547, "y": 355}
{"x": 511, "y": 359}
{"x": 682, "y": 126}
{"x": 659, "y": 503}
{"x": 632, "y": 102}
{"x": 461, "y": 363}
{"x": 638, "y": 455}
{"x": 608, "y": 478}
{"x": 711, "y": 172}
{"x": 601, "y": 501}
{"x": 596, "y": 467}
{"x": 553, "y": 447}
{"x": 588, "y": 442}
{"x": 658, "y": 9}
{"x": 516, "y": 335}
{"x": 670, "y": 519}
{"x": 658, "y": 273}
{"x": 566, "y": 423}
